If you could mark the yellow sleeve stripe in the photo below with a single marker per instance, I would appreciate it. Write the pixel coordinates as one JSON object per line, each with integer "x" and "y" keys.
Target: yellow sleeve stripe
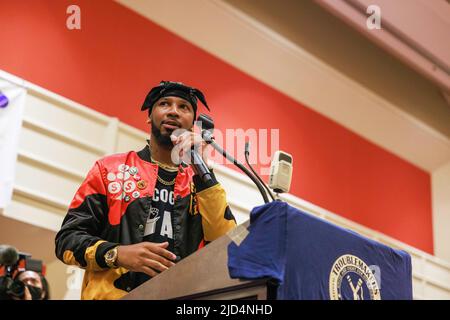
{"x": 212, "y": 205}
{"x": 69, "y": 258}
{"x": 89, "y": 256}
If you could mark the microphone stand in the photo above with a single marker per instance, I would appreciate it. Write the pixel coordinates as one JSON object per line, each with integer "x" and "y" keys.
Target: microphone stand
{"x": 247, "y": 153}
{"x": 209, "y": 139}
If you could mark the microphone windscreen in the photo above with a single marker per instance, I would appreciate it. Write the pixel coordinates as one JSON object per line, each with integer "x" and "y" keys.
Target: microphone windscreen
{"x": 8, "y": 255}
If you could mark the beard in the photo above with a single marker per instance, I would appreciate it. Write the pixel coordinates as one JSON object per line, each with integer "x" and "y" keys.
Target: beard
{"x": 162, "y": 140}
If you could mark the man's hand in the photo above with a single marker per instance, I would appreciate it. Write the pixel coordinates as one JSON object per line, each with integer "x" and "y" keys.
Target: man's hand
{"x": 184, "y": 141}
{"x": 147, "y": 257}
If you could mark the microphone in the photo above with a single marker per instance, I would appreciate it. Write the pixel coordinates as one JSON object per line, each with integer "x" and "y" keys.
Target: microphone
{"x": 8, "y": 255}
{"x": 198, "y": 165}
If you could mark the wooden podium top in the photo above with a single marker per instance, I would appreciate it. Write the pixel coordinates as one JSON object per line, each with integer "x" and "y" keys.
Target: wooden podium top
{"x": 203, "y": 275}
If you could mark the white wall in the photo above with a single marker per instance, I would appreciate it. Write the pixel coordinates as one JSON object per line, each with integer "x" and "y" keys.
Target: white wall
{"x": 59, "y": 142}
{"x": 440, "y": 180}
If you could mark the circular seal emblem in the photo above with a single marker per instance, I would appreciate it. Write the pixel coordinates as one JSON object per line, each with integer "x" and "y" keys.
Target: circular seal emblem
{"x": 352, "y": 279}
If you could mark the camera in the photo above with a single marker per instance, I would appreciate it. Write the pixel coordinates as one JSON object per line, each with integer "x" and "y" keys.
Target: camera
{"x": 12, "y": 263}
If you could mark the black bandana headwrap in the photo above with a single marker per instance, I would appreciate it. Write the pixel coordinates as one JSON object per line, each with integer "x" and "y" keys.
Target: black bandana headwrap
{"x": 176, "y": 89}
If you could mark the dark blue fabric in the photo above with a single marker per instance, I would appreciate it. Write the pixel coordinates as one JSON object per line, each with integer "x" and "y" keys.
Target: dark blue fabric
{"x": 299, "y": 250}
{"x": 263, "y": 252}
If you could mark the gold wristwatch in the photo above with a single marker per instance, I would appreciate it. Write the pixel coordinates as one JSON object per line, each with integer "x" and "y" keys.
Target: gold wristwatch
{"x": 111, "y": 258}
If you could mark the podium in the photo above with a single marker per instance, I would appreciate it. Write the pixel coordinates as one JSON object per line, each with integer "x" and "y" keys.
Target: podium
{"x": 204, "y": 275}
{"x": 284, "y": 253}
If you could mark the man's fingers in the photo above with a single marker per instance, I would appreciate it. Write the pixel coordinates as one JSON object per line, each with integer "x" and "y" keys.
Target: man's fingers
{"x": 155, "y": 265}
{"x": 152, "y": 246}
{"x": 157, "y": 257}
{"x": 187, "y": 138}
{"x": 162, "y": 244}
{"x": 174, "y": 139}
{"x": 148, "y": 271}
{"x": 161, "y": 259}
{"x": 159, "y": 249}
{"x": 182, "y": 137}
{"x": 165, "y": 253}
{"x": 185, "y": 142}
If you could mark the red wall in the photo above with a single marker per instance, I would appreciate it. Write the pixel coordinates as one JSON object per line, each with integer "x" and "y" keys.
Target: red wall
{"x": 111, "y": 63}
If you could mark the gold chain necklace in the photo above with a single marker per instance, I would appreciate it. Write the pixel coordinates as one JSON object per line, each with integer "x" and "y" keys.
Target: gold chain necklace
{"x": 165, "y": 167}
{"x": 166, "y": 183}
{"x": 160, "y": 164}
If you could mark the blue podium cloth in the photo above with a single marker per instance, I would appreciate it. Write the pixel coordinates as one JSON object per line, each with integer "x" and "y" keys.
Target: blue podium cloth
{"x": 314, "y": 259}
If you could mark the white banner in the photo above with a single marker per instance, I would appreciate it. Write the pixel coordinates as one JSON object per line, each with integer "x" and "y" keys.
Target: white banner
{"x": 12, "y": 101}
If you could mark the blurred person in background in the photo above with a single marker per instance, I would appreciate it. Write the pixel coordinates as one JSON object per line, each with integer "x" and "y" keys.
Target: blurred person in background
{"x": 36, "y": 286}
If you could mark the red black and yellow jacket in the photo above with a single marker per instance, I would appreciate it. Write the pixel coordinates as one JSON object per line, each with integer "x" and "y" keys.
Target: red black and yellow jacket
{"x": 111, "y": 207}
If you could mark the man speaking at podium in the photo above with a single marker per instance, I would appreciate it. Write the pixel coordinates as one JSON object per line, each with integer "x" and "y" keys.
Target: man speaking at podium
{"x": 137, "y": 213}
